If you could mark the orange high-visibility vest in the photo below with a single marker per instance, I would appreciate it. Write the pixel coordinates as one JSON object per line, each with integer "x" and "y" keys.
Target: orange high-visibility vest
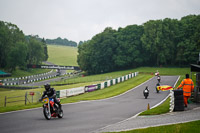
{"x": 188, "y": 86}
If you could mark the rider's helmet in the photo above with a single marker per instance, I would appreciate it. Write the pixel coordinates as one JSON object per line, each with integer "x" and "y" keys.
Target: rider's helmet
{"x": 47, "y": 87}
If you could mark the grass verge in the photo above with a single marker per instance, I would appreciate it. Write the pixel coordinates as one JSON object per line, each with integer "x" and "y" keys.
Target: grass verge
{"x": 189, "y": 127}
{"x": 161, "y": 109}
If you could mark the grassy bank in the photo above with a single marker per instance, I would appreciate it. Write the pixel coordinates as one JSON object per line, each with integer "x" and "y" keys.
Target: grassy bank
{"x": 62, "y": 55}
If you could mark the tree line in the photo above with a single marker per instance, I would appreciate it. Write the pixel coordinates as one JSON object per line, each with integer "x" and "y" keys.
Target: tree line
{"x": 60, "y": 41}
{"x": 18, "y": 50}
{"x": 167, "y": 42}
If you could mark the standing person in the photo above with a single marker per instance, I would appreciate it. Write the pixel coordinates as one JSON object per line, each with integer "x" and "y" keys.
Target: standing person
{"x": 188, "y": 87}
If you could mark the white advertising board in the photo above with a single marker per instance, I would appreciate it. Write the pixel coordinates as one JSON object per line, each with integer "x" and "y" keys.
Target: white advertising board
{"x": 75, "y": 91}
{"x": 63, "y": 93}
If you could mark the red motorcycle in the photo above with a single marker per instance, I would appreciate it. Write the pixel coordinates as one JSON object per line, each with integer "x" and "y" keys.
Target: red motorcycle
{"x": 51, "y": 109}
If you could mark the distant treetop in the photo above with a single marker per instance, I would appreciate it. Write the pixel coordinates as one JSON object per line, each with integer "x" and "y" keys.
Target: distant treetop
{"x": 57, "y": 41}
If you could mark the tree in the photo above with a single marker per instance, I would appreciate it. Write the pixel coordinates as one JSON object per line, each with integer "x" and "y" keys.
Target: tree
{"x": 129, "y": 51}
{"x": 45, "y": 50}
{"x": 95, "y": 56}
{"x": 189, "y": 41}
{"x": 85, "y": 56}
{"x": 10, "y": 35}
{"x": 17, "y": 56}
{"x": 4, "y": 43}
{"x": 152, "y": 41}
{"x": 36, "y": 51}
{"x": 60, "y": 41}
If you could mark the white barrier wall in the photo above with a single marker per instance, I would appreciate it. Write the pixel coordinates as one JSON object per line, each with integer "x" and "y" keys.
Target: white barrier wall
{"x": 75, "y": 91}
{"x": 122, "y": 78}
{"x": 114, "y": 81}
{"x": 108, "y": 83}
{"x": 118, "y": 80}
{"x": 126, "y": 77}
{"x": 63, "y": 93}
{"x": 102, "y": 85}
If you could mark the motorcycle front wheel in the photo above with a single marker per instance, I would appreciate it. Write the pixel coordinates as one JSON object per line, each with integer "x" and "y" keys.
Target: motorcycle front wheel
{"x": 60, "y": 113}
{"x": 47, "y": 113}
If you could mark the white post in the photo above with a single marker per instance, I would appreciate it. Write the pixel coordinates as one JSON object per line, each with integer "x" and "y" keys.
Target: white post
{"x": 171, "y": 107}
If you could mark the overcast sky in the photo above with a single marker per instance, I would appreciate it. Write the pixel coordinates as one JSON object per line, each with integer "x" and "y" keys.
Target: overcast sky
{"x": 82, "y": 19}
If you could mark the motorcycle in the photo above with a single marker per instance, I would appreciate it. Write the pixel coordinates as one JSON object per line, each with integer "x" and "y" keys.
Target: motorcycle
{"x": 158, "y": 78}
{"x": 51, "y": 109}
{"x": 146, "y": 92}
{"x": 157, "y": 87}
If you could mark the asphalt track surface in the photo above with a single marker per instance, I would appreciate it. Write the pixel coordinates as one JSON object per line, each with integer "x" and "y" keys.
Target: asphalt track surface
{"x": 87, "y": 116}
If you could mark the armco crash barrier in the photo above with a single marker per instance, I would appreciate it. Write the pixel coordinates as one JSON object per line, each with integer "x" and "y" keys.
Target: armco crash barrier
{"x": 80, "y": 90}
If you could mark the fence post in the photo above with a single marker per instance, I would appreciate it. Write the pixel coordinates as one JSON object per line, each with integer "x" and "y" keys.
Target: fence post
{"x": 25, "y": 97}
{"x": 5, "y": 102}
{"x": 32, "y": 98}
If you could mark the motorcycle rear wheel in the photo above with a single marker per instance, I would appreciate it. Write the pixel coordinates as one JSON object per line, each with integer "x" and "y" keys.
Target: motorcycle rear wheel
{"x": 47, "y": 113}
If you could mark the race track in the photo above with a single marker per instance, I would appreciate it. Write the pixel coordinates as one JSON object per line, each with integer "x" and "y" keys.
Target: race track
{"x": 88, "y": 116}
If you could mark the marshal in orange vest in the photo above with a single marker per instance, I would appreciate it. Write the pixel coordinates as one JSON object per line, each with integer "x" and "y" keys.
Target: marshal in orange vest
{"x": 188, "y": 87}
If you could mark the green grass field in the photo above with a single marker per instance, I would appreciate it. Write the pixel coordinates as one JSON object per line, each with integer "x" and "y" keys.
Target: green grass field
{"x": 62, "y": 55}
